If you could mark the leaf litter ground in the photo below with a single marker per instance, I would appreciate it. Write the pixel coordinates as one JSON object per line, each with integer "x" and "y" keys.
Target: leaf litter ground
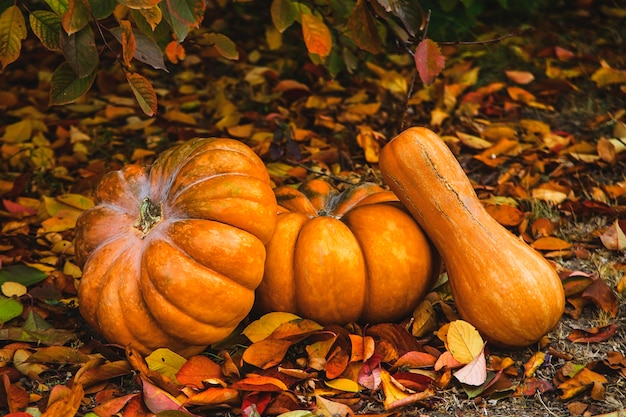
{"x": 545, "y": 155}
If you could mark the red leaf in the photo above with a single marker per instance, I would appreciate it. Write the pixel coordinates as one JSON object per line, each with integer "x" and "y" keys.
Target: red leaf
{"x": 428, "y": 60}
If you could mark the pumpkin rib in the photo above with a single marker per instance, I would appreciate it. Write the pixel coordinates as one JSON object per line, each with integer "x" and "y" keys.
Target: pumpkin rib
{"x": 162, "y": 261}
{"x": 133, "y": 321}
{"x": 232, "y": 252}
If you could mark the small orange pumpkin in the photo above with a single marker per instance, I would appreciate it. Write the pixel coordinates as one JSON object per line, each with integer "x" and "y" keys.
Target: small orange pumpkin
{"x": 343, "y": 257}
{"x": 172, "y": 253}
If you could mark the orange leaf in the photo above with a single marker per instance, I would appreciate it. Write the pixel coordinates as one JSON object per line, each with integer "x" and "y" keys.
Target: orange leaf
{"x": 362, "y": 348}
{"x": 415, "y": 360}
{"x": 550, "y": 243}
{"x": 520, "y": 77}
{"x": 215, "y": 396}
{"x": 535, "y": 361}
{"x": 260, "y": 383}
{"x": 582, "y": 381}
{"x": 197, "y": 369}
{"x": 175, "y": 52}
{"x": 266, "y": 353}
{"x": 317, "y": 37}
{"x": 504, "y": 214}
{"x": 128, "y": 42}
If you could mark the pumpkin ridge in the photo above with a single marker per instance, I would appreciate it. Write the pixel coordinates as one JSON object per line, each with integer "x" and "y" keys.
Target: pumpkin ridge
{"x": 172, "y": 292}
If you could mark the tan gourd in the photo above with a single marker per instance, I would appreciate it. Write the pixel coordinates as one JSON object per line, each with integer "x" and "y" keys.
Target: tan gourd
{"x": 506, "y": 289}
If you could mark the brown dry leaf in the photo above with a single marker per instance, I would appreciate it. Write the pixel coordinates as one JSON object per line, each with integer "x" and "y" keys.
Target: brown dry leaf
{"x": 602, "y": 296}
{"x": 327, "y": 408}
{"x": 592, "y": 335}
{"x": 424, "y": 319}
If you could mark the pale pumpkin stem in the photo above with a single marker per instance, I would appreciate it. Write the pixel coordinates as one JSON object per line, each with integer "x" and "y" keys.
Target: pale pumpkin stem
{"x": 149, "y": 216}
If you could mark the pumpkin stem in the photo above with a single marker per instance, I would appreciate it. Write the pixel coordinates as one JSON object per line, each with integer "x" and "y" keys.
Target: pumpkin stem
{"x": 149, "y": 216}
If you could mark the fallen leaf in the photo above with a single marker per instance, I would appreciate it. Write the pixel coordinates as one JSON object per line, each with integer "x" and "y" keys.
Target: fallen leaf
{"x": 475, "y": 372}
{"x": 463, "y": 341}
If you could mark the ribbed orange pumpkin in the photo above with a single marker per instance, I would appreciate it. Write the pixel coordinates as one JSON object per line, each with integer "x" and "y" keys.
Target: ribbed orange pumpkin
{"x": 172, "y": 253}
{"x": 344, "y": 257}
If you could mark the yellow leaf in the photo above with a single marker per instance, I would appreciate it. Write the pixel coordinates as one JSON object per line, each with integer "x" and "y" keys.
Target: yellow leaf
{"x": 144, "y": 92}
{"x": 180, "y": 117}
{"x": 63, "y": 220}
{"x": 368, "y": 140}
{"x": 77, "y": 201}
{"x": 12, "y": 32}
{"x": 463, "y": 341}
{"x": 261, "y": 329}
{"x": 13, "y": 289}
{"x": 317, "y": 37}
{"x": 165, "y": 362}
{"x": 72, "y": 270}
{"x": 344, "y": 384}
{"x": 606, "y": 76}
{"x": 18, "y": 132}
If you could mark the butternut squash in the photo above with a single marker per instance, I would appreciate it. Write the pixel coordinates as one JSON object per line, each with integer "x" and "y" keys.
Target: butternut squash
{"x": 502, "y": 286}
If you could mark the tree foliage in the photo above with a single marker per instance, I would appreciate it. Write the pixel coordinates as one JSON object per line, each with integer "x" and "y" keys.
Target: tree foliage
{"x": 337, "y": 34}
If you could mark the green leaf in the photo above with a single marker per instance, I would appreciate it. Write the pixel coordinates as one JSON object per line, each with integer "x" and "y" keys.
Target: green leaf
{"x": 101, "y": 9}
{"x": 284, "y": 13}
{"x": 66, "y": 87}
{"x": 144, "y": 93}
{"x": 9, "y": 309}
{"x": 47, "y": 27}
{"x": 12, "y": 32}
{"x": 58, "y": 6}
{"x": 363, "y": 28}
{"x": 180, "y": 28}
{"x": 224, "y": 45}
{"x": 24, "y": 274}
{"x": 139, "y": 4}
{"x": 77, "y": 16}
{"x": 189, "y": 12}
{"x": 81, "y": 52}
{"x": 147, "y": 50}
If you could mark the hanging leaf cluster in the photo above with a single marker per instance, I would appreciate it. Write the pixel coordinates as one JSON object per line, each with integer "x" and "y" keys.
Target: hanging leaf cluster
{"x": 135, "y": 31}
